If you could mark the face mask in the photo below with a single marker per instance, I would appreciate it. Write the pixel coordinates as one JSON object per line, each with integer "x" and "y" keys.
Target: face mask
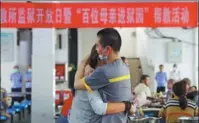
{"x": 102, "y": 57}
{"x": 29, "y": 70}
{"x": 15, "y": 70}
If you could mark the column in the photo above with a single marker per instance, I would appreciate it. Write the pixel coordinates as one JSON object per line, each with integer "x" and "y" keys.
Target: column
{"x": 24, "y": 51}
{"x": 195, "y": 57}
{"x": 43, "y": 76}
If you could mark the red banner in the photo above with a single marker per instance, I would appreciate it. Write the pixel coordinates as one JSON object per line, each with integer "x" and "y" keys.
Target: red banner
{"x": 76, "y": 15}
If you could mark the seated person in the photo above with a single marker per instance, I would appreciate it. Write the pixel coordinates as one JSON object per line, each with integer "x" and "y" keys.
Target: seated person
{"x": 178, "y": 106}
{"x": 192, "y": 89}
{"x": 3, "y": 103}
{"x": 142, "y": 90}
{"x": 188, "y": 84}
{"x": 169, "y": 86}
{"x": 193, "y": 95}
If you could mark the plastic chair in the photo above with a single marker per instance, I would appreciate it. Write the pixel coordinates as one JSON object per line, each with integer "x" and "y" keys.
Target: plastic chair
{"x": 10, "y": 111}
{"x": 3, "y": 118}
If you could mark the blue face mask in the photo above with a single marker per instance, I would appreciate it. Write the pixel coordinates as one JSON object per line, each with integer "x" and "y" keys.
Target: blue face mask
{"x": 29, "y": 70}
{"x": 15, "y": 70}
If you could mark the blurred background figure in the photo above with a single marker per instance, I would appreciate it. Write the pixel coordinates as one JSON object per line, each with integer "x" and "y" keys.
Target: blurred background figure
{"x": 188, "y": 84}
{"x": 193, "y": 94}
{"x": 28, "y": 78}
{"x": 192, "y": 89}
{"x": 16, "y": 80}
{"x": 175, "y": 73}
{"x": 161, "y": 78}
{"x": 28, "y": 84}
{"x": 142, "y": 90}
{"x": 125, "y": 60}
{"x": 169, "y": 91}
{"x": 3, "y": 103}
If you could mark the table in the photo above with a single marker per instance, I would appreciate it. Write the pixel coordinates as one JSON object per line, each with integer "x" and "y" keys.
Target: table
{"x": 155, "y": 105}
{"x": 151, "y": 112}
{"x": 16, "y": 94}
{"x": 188, "y": 119}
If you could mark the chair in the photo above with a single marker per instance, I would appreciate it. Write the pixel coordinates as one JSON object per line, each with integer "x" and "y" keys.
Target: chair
{"x": 11, "y": 112}
{"x": 3, "y": 118}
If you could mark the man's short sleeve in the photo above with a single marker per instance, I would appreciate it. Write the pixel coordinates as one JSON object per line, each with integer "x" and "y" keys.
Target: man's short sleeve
{"x": 96, "y": 80}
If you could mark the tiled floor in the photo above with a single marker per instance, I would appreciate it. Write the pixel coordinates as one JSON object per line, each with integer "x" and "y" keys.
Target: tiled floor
{"x": 26, "y": 119}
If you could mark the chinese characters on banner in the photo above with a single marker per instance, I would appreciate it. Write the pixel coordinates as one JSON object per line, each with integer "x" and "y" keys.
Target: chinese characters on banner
{"x": 66, "y": 15}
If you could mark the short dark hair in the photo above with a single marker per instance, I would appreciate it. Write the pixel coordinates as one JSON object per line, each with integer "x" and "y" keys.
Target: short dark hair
{"x": 110, "y": 37}
{"x": 171, "y": 81}
{"x": 161, "y": 65}
{"x": 194, "y": 87}
{"x": 175, "y": 65}
{"x": 143, "y": 77}
{"x": 123, "y": 58}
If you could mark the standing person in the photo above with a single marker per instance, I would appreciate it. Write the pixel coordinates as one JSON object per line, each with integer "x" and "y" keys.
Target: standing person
{"x": 28, "y": 81}
{"x": 16, "y": 79}
{"x": 161, "y": 78}
{"x": 125, "y": 60}
{"x": 142, "y": 90}
{"x": 175, "y": 73}
{"x": 112, "y": 80}
{"x": 88, "y": 107}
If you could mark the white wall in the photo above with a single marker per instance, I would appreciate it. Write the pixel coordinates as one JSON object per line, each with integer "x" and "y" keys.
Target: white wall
{"x": 157, "y": 51}
{"x": 87, "y": 38}
{"x": 128, "y": 41}
{"x": 196, "y": 57}
{"x": 61, "y": 55}
{"x": 7, "y": 68}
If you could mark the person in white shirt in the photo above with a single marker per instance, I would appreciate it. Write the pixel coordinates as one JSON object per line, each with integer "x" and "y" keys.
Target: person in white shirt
{"x": 142, "y": 90}
{"x": 175, "y": 73}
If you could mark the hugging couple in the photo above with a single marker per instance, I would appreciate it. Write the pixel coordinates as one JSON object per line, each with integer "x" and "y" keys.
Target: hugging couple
{"x": 102, "y": 83}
